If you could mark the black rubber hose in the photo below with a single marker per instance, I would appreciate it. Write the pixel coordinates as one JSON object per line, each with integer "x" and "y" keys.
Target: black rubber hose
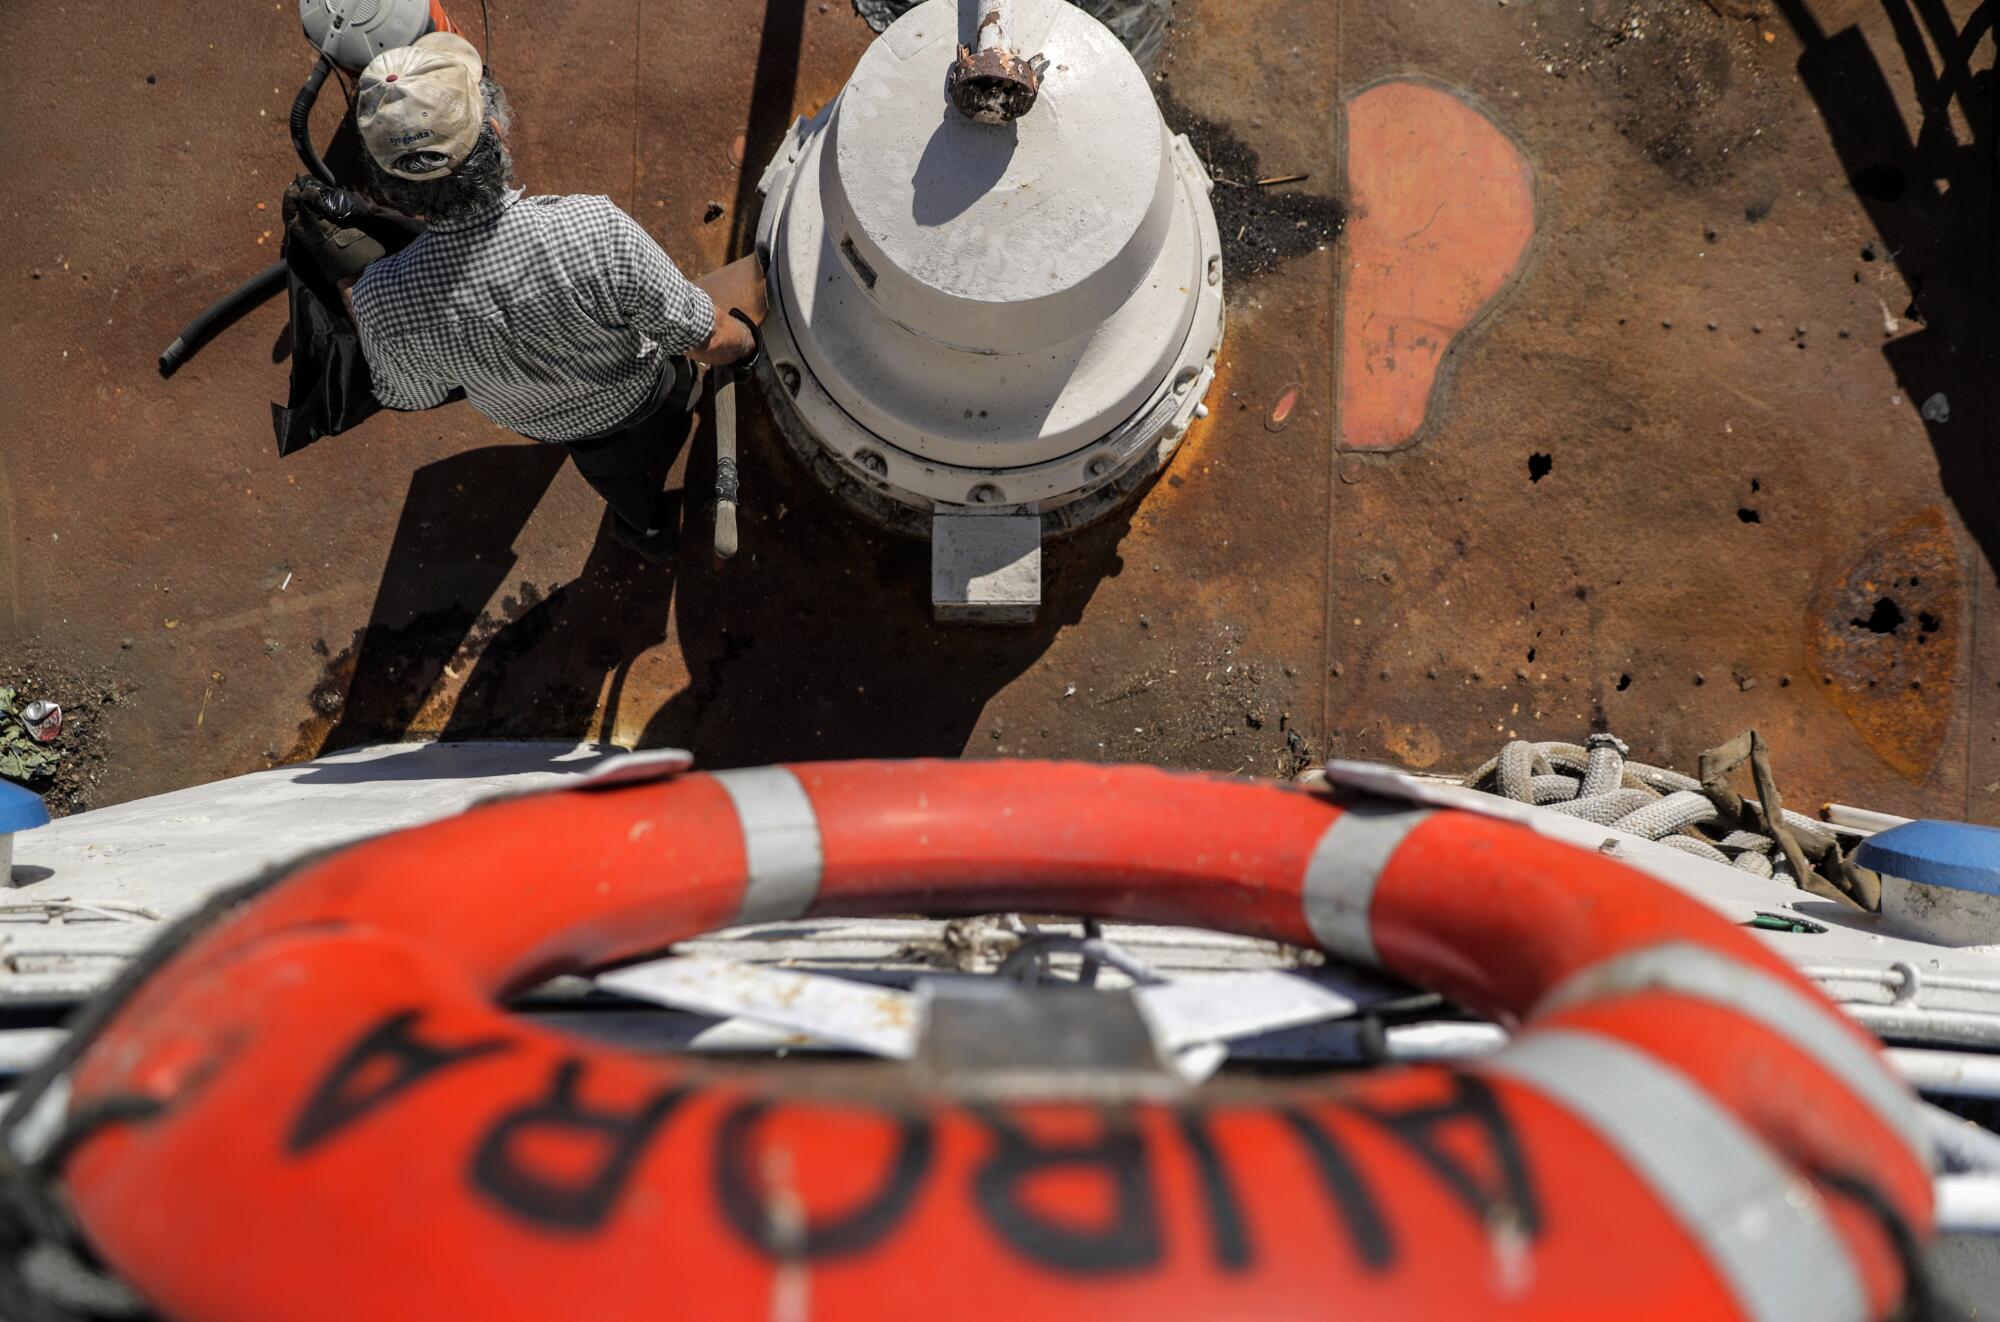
{"x": 302, "y": 108}
{"x": 251, "y": 293}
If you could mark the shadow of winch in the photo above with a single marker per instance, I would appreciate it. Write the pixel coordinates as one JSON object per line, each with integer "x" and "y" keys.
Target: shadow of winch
{"x": 816, "y": 642}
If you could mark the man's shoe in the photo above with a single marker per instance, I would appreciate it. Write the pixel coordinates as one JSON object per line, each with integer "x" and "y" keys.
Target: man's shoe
{"x": 655, "y": 544}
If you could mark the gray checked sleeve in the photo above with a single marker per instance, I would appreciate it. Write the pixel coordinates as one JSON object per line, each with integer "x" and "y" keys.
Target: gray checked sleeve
{"x": 397, "y": 383}
{"x": 651, "y": 293}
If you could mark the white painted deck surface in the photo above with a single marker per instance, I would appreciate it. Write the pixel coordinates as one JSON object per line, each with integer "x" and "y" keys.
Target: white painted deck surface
{"x": 90, "y": 889}
{"x": 93, "y": 888}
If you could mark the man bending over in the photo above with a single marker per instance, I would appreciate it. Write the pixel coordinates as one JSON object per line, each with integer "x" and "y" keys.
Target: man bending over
{"x": 559, "y": 317}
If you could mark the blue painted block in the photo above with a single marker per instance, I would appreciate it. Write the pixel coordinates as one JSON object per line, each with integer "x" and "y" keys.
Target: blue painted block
{"x": 1940, "y": 880}
{"x": 1954, "y": 854}
{"x": 20, "y": 809}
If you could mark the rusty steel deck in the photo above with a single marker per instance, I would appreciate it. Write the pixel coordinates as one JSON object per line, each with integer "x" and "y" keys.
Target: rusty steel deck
{"x": 1649, "y": 387}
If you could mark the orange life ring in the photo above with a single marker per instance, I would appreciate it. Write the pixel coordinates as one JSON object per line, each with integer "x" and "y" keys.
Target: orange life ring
{"x": 315, "y": 1110}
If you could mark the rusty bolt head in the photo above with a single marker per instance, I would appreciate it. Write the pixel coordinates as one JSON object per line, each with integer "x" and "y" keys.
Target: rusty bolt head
{"x": 993, "y": 86}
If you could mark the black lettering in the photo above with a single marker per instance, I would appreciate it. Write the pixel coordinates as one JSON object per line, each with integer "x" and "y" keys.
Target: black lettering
{"x": 568, "y": 1203}
{"x": 1351, "y": 1197}
{"x": 387, "y": 1061}
{"x": 1129, "y": 1239}
{"x": 1472, "y": 1100}
{"x": 1225, "y": 1214}
{"x": 740, "y": 1189}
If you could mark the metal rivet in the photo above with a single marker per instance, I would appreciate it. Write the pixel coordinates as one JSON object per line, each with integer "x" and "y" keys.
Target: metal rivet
{"x": 1099, "y": 466}
{"x": 984, "y": 494}
{"x": 790, "y": 376}
{"x": 871, "y": 461}
{"x": 1215, "y": 269}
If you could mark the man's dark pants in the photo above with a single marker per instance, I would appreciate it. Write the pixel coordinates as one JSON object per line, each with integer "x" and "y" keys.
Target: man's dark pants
{"x": 619, "y": 464}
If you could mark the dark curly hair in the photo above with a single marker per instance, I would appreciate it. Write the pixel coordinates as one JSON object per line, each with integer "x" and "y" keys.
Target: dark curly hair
{"x": 470, "y": 190}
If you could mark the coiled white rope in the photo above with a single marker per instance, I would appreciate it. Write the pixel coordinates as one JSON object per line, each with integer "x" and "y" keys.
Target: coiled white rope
{"x": 1598, "y": 783}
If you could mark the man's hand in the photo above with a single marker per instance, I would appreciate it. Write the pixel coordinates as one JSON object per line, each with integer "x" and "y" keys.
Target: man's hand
{"x": 734, "y": 339}
{"x": 738, "y": 293}
{"x": 321, "y": 219}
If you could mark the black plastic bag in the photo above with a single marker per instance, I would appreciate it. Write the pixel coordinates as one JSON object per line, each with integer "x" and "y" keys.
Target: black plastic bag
{"x": 331, "y": 389}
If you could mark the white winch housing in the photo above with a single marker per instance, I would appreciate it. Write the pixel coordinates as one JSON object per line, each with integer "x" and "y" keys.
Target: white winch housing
{"x": 1008, "y": 320}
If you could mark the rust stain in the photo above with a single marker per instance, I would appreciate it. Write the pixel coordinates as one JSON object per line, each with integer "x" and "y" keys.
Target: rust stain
{"x": 1443, "y": 208}
{"x": 1883, "y": 640}
{"x": 1191, "y": 454}
{"x": 1415, "y": 746}
{"x": 894, "y": 1012}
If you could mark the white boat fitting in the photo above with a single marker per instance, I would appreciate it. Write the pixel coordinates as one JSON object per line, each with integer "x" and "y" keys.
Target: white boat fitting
{"x": 988, "y": 331}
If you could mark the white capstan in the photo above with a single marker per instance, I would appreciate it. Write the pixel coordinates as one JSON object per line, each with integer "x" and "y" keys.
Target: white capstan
{"x": 1013, "y": 319}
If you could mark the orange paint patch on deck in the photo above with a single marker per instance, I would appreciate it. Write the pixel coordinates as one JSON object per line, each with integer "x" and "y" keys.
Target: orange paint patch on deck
{"x": 1442, "y": 211}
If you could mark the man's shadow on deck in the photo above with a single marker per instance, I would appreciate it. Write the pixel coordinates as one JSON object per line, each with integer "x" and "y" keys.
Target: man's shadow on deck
{"x": 535, "y": 669}
{"x": 815, "y": 642}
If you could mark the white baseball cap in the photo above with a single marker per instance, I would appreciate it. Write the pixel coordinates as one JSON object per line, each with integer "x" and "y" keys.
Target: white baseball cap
{"x": 419, "y": 108}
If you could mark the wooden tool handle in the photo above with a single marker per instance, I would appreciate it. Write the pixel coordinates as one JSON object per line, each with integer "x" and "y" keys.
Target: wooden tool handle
{"x": 725, "y": 462}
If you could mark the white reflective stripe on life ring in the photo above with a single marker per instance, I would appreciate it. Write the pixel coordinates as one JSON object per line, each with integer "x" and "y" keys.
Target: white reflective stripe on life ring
{"x": 1762, "y": 1226}
{"x": 781, "y": 841}
{"x": 1688, "y": 969}
{"x": 1343, "y": 871}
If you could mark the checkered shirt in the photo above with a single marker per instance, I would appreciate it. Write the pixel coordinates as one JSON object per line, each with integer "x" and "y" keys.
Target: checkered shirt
{"x": 555, "y": 315}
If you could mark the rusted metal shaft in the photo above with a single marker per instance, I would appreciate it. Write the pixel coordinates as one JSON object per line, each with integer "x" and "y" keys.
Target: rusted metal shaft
{"x": 1815, "y": 857}
{"x": 992, "y": 82}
